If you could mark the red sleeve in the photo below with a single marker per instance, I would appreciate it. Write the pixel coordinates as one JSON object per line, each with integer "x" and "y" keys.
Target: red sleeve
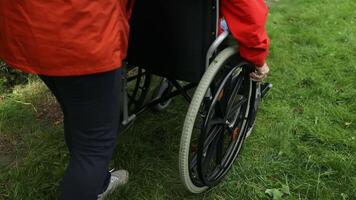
{"x": 246, "y": 20}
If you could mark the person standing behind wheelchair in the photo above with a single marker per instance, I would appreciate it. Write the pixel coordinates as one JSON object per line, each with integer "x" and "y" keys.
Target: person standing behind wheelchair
{"x": 77, "y": 47}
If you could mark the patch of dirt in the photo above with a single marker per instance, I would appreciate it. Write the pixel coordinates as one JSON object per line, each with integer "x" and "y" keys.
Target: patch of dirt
{"x": 298, "y": 110}
{"x": 48, "y": 109}
{"x": 8, "y": 145}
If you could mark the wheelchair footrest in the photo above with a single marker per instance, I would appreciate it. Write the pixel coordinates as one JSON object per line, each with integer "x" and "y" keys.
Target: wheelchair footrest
{"x": 265, "y": 87}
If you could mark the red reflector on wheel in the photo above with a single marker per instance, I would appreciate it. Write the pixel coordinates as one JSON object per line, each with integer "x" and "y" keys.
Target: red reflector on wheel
{"x": 235, "y": 134}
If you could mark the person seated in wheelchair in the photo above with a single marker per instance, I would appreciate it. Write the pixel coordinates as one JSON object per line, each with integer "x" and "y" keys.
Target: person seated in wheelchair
{"x": 77, "y": 48}
{"x": 246, "y": 20}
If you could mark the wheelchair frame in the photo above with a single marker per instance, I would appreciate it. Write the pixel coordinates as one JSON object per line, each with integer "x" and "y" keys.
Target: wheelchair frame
{"x": 218, "y": 60}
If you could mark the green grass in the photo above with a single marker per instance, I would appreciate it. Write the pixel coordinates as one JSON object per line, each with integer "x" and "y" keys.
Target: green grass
{"x": 304, "y": 140}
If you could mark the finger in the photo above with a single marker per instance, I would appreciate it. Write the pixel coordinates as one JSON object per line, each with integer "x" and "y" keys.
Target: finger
{"x": 256, "y": 77}
{"x": 262, "y": 73}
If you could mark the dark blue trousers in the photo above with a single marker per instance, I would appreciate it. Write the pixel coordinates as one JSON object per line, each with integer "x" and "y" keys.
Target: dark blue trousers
{"x": 90, "y": 106}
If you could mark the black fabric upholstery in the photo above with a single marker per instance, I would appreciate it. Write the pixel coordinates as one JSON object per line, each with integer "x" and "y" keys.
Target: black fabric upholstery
{"x": 170, "y": 38}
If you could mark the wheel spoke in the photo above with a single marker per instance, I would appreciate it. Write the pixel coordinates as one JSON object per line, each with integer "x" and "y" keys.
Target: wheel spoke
{"x": 219, "y": 149}
{"x": 234, "y": 93}
{"x": 220, "y": 108}
{"x": 193, "y": 162}
{"x": 217, "y": 121}
{"x": 221, "y": 103}
{"x": 207, "y": 158}
{"x": 234, "y": 108}
{"x": 211, "y": 138}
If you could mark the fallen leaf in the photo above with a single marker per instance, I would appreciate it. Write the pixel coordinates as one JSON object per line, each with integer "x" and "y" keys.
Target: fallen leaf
{"x": 274, "y": 193}
{"x": 285, "y": 189}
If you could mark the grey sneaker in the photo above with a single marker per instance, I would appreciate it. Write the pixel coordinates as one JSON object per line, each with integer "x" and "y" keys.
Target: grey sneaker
{"x": 118, "y": 178}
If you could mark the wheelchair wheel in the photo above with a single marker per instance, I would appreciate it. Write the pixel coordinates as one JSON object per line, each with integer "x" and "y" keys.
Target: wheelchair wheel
{"x": 164, "y": 88}
{"x": 138, "y": 83}
{"x": 216, "y": 122}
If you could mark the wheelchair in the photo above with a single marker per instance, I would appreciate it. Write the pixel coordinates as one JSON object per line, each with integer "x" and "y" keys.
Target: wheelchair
{"x": 178, "y": 40}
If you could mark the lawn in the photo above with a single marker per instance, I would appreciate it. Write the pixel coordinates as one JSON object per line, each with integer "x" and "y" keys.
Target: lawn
{"x": 303, "y": 146}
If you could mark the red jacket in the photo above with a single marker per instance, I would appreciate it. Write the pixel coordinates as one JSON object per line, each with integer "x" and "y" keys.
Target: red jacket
{"x": 78, "y": 37}
{"x": 64, "y": 37}
{"x": 246, "y": 20}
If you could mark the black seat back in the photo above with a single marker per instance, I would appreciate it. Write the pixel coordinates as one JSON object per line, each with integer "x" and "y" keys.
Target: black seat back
{"x": 170, "y": 38}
